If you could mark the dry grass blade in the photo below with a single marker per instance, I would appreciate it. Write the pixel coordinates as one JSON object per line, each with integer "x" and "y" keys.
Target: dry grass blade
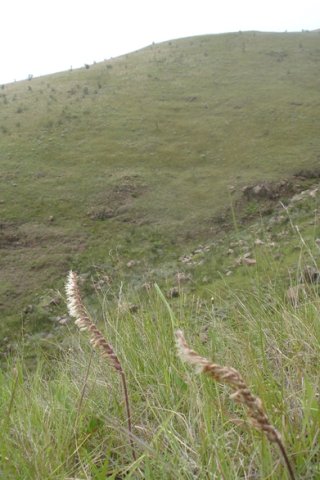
{"x": 241, "y": 394}
{"x": 83, "y": 321}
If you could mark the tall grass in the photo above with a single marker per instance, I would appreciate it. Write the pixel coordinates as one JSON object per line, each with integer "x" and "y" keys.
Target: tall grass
{"x": 184, "y": 426}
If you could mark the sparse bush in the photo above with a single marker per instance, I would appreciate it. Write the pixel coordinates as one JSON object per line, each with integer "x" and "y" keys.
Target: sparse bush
{"x": 49, "y": 124}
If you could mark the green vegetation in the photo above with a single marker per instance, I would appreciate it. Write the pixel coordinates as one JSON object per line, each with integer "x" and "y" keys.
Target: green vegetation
{"x": 66, "y": 419}
{"x": 181, "y": 182}
{"x": 134, "y": 156}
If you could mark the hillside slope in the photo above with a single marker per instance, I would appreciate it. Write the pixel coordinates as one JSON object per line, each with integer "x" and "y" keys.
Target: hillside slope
{"x": 135, "y": 155}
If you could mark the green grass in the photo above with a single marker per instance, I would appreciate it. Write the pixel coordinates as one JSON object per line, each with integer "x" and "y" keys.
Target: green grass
{"x": 185, "y": 426}
{"x": 182, "y": 422}
{"x": 156, "y": 137}
{"x": 144, "y": 158}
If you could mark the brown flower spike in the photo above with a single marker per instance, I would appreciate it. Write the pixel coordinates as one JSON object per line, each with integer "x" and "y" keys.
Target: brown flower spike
{"x": 84, "y": 323}
{"x": 241, "y": 394}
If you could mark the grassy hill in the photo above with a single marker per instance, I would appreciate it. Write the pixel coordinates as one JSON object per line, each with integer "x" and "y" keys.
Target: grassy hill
{"x": 192, "y": 165}
{"x": 137, "y": 155}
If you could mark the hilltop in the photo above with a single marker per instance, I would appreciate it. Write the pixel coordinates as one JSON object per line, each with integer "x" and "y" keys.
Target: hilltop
{"x": 144, "y": 156}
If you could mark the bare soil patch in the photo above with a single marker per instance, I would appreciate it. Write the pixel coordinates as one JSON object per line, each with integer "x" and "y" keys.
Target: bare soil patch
{"x": 118, "y": 200}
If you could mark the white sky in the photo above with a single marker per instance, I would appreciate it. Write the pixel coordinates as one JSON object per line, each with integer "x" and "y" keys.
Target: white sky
{"x": 45, "y": 36}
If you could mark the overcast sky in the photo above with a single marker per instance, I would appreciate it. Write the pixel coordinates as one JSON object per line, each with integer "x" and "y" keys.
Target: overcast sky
{"x": 45, "y": 36}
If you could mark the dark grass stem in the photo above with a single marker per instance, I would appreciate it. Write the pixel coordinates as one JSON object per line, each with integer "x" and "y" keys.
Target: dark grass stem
{"x": 13, "y": 391}
{"x": 84, "y": 386}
